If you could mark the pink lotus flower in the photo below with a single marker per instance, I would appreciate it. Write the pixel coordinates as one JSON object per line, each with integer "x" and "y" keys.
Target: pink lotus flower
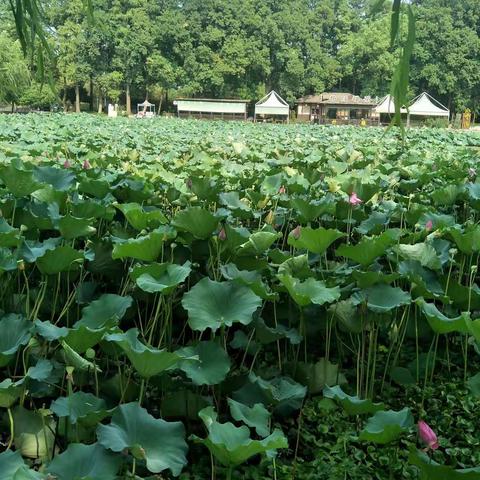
{"x": 86, "y": 165}
{"x": 222, "y": 235}
{"x": 428, "y": 225}
{"x": 296, "y": 232}
{"x": 354, "y": 200}
{"x": 282, "y": 190}
{"x": 66, "y": 164}
{"x": 427, "y": 435}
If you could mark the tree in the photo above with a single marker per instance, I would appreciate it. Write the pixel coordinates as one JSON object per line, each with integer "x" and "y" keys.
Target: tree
{"x": 14, "y": 73}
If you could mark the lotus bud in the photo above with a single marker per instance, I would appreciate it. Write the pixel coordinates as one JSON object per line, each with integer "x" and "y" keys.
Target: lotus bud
{"x": 428, "y": 225}
{"x": 173, "y": 245}
{"x": 427, "y": 435}
{"x": 21, "y": 265}
{"x": 270, "y": 217}
{"x": 222, "y": 235}
{"x": 86, "y": 164}
{"x": 354, "y": 200}
{"x": 69, "y": 371}
{"x": 66, "y": 164}
{"x": 296, "y": 232}
{"x": 282, "y": 190}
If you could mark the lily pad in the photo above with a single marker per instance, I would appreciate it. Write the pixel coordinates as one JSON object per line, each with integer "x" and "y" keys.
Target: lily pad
{"x": 160, "y": 277}
{"x": 314, "y": 240}
{"x": 387, "y": 426}
{"x": 353, "y": 405}
{"x": 309, "y": 291}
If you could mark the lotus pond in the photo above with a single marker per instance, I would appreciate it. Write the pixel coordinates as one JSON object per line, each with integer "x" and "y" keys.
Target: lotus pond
{"x": 228, "y": 300}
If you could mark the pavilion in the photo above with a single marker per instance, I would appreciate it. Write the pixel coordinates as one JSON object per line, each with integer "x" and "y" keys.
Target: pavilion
{"x": 270, "y": 106}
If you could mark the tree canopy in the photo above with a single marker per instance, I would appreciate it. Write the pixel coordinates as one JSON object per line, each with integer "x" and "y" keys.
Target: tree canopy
{"x": 244, "y": 48}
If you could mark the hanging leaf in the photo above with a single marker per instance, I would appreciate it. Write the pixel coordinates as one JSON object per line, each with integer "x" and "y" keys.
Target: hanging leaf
{"x": 80, "y": 406}
{"x": 72, "y": 227}
{"x": 140, "y": 217}
{"x": 106, "y": 311}
{"x": 16, "y": 332}
{"x": 439, "y": 322}
{"x": 197, "y": 221}
{"x": 60, "y": 259}
{"x": 161, "y": 444}
{"x": 382, "y": 298}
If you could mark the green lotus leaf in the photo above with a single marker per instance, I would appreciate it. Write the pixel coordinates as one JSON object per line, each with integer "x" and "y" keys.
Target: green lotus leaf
{"x": 473, "y": 327}
{"x": 31, "y": 250}
{"x": 210, "y": 365}
{"x": 142, "y": 218}
{"x": 352, "y": 405}
{"x": 345, "y": 311}
{"x": 387, "y": 426}
{"x": 9, "y": 393}
{"x": 72, "y": 227}
{"x": 212, "y": 304}
{"x": 382, "y": 298}
{"x": 309, "y": 211}
{"x": 50, "y": 196}
{"x": 421, "y": 252}
{"x": 431, "y": 470}
{"x": 271, "y": 184}
{"x": 59, "y": 179}
{"x": 60, "y": 259}
{"x": 146, "y": 247}
{"x": 467, "y": 242}
{"x": 73, "y": 359}
{"x": 196, "y": 220}
{"x": 81, "y": 338}
{"x": 439, "y": 322}
{"x": 183, "y": 403}
{"x": 368, "y": 249}
{"x": 257, "y": 417}
{"x": 315, "y": 376}
{"x": 258, "y": 243}
{"x": 85, "y": 462}
{"x": 9, "y": 236}
{"x": 12, "y": 467}
{"x": 309, "y": 291}
{"x": 367, "y": 279}
{"x": 161, "y": 444}
{"x": 315, "y": 240}
{"x": 41, "y": 370}
{"x": 34, "y": 436}
{"x": 96, "y": 187}
{"x": 19, "y": 181}
{"x": 473, "y": 384}
{"x": 232, "y": 201}
{"x": 252, "y": 279}
{"x": 284, "y": 394}
{"x": 265, "y": 334}
{"x": 160, "y": 277}
{"x": 296, "y": 267}
{"x": 49, "y": 331}
{"x": 373, "y": 224}
{"x": 147, "y": 361}
{"x": 80, "y": 406}
{"x": 16, "y": 331}
{"x": 106, "y": 311}
{"x": 232, "y": 445}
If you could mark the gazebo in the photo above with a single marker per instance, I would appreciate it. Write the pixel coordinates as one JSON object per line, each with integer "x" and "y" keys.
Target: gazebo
{"x": 426, "y": 106}
{"x": 145, "y": 109}
{"x": 272, "y": 104}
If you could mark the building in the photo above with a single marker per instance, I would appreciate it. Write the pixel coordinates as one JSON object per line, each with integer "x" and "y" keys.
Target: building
{"x": 220, "y": 109}
{"x": 335, "y": 107}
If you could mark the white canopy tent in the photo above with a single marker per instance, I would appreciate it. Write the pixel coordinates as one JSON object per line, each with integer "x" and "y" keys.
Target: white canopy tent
{"x": 424, "y": 106}
{"x": 272, "y": 104}
{"x": 145, "y": 109}
{"x": 387, "y": 105}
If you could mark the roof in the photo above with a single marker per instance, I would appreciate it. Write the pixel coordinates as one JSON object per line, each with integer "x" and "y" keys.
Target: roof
{"x": 146, "y": 103}
{"x": 221, "y": 100}
{"x": 423, "y": 105}
{"x": 387, "y": 105}
{"x": 272, "y": 99}
{"x": 337, "y": 98}
{"x": 272, "y": 104}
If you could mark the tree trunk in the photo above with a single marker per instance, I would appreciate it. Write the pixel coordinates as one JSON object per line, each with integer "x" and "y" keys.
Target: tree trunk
{"x": 77, "y": 98}
{"x": 128, "y": 100}
{"x": 100, "y": 103}
{"x": 64, "y": 97}
{"x": 91, "y": 93}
